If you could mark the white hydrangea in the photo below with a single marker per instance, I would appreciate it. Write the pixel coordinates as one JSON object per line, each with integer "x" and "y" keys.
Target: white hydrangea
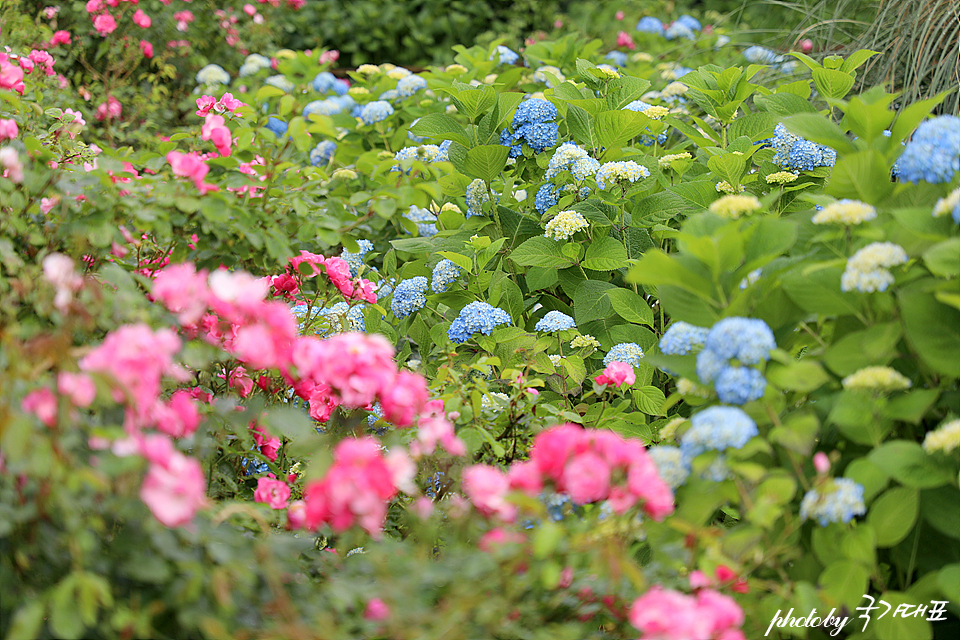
{"x": 946, "y": 438}
{"x": 614, "y": 172}
{"x": 877, "y": 379}
{"x": 734, "y": 206}
{"x": 845, "y": 212}
{"x": 867, "y": 270}
{"x": 565, "y": 224}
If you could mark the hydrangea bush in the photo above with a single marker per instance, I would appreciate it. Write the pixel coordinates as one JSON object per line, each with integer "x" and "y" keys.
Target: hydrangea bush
{"x": 488, "y": 348}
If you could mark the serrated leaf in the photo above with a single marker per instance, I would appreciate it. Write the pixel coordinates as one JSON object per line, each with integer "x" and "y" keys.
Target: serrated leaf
{"x": 540, "y": 252}
{"x": 606, "y": 255}
{"x": 440, "y": 126}
{"x": 486, "y": 161}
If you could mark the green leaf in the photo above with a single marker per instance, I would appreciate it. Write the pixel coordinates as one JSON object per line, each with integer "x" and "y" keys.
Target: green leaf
{"x": 462, "y": 261}
{"x": 630, "y": 306}
{"x": 872, "y": 346}
{"x": 907, "y": 462}
{"x": 949, "y": 581}
{"x": 582, "y": 127}
{"x": 658, "y": 208}
{"x": 899, "y": 627}
{"x": 941, "y": 508}
{"x": 893, "y": 515}
{"x": 943, "y": 259}
{"x": 617, "y": 127}
{"x": 756, "y": 126}
{"x": 815, "y": 127}
{"x": 540, "y": 252}
{"x": 934, "y": 330}
{"x": 606, "y": 255}
{"x": 486, "y": 161}
{"x": 27, "y": 621}
{"x": 804, "y": 376}
{"x": 658, "y": 268}
{"x": 832, "y": 83}
{"x": 843, "y": 584}
{"x": 856, "y": 59}
{"x": 649, "y": 400}
{"x": 817, "y": 290}
{"x": 784, "y": 104}
{"x": 911, "y": 116}
{"x": 440, "y": 126}
{"x": 590, "y": 301}
{"x": 866, "y": 473}
{"x": 861, "y": 176}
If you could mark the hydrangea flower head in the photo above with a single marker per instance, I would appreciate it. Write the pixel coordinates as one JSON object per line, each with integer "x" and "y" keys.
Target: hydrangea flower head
{"x": 867, "y": 269}
{"x": 555, "y": 321}
{"x": 679, "y": 30}
{"x": 534, "y": 111}
{"x": 760, "y": 55}
{"x": 376, "y": 111}
{"x": 717, "y": 428}
{"x": 213, "y": 74}
{"x": 409, "y": 85}
{"x": 565, "y": 224}
{"x": 945, "y": 438}
{"x": 877, "y": 379}
{"x": 280, "y": 82}
{"x": 683, "y": 338}
{"x": 794, "y": 152}
{"x": 629, "y": 352}
{"x": 477, "y": 317}
{"x": 426, "y": 221}
{"x": 840, "y": 501}
{"x": 322, "y": 153}
{"x": 933, "y": 153}
{"x": 672, "y": 466}
{"x": 740, "y": 385}
{"x": 618, "y": 58}
{"x": 540, "y": 75}
{"x": 564, "y": 158}
{"x": 276, "y": 125}
{"x": 408, "y": 296}
{"x": 584, "y": 168}
{"x": 649, "y": 24}
{"x": 355, "y": 260}
{"x": 444, "y": 274}
{"x": 326, "y": 82}
{"x": 734, "y": 206}
{"x": 546, "y": 197}
{"x": 950, "y": 204}
{"x": 506, "y": 54}
{"x": 690, "y": 22}
{"x": 749, "y": 340}
{"x": 254, "y": 63}
{"x": 476, "y": 196}
{"x": 613, "y": 172}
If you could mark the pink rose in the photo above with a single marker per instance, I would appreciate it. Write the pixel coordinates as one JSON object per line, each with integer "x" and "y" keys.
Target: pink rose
{"x": 272, "y": 492}
{"x": 587, "y": 478}
{"x": 60, "y": 37}
{"x": 8, "y": 129}
{"x": 174, "y": 492}
{"x": 146, "y": 48}
{"x": 487, "y": 489}
{"x": 141, "y": 19}
{"x": 376, "y": 610}
{"x": 78, "y": 387}
{"x": 617, "y": 374}
{"x": 105, "y": 24}
{"x": 41, "y": 403}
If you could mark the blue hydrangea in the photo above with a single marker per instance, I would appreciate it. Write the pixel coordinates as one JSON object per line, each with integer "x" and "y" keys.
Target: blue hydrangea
{"x": 426, "y": 221}
{"x": 385, "y": 288}
{"x": 322, "y": 153}
{"x": 564, "y": 158}
{"x": 749, "y": 340}
{"x": 933, "y": 153}
{"x": 555, "y": 321}
{"x": 444, "y": 274}
{"x": 326, "y": 82}
{"x": 409, "y": 85}
{"x": 512, "y": 140}
{"x": 546, "y": 197}
{"x": 277, "y": 126}
{"x": 476, "y": 196}
{"x": 444, "y": 154}
{"x": 534, "y": 111}
{"x": 213, "y": 74}
{"x": 717, "y": 429}
{"x": 637, "y": 105}
{"x": 376, "y": 112}
{"x": 584, "y": 168}
{"x": 709, "y": 366}
{"x": 324, "y": 107}
{"x": 390, "y": 94}
{"x": 690, "y": 22}
{"x": 412, "y": 136}
{"x": 648, "y": 141}
{"x": 376, "y": 413}
{"x": 740, "y": 385}
{"x": 837, "y": 503}
{"x": 679, "y": 30}
{"x": 355, "y": 260}
{"x": 760, "y": 55}
{"x": 507, "y": 55}
{"x": 649, "y": 24}
{"x": 409, "y": 296}
{"x": 340, "y": 312}
{"x": 477, "y": 317}
{"x": 794, "y": 152}
{"x": 683, "y": 338}
{"x": 672, "y": 467}
{"x": 618, "y": 58}
{"x": 629, "y": 352}
{"x": 540, "y": 136}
